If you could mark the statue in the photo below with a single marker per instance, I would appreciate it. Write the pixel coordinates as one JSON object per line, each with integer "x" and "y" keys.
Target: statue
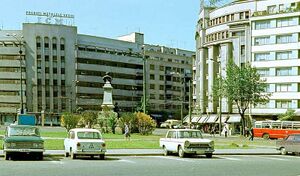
{"x": 107, "y": 78}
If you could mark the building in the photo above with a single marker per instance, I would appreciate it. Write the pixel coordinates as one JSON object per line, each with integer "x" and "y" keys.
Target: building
{"x": 262, "y": 32}
{"x": 62, "y": 71}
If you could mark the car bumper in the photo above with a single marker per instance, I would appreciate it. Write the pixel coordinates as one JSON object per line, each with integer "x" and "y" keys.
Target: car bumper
{"x": 24, "y": 150}
{"x": 198, "y": 151}
{"x": 90, "y": 152}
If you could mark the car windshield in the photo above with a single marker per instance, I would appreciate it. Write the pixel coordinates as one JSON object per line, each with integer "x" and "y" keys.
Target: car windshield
{"x": 88, "y": 135}
{"x": 189, "y": 134}
{"x": 23, "y": 131}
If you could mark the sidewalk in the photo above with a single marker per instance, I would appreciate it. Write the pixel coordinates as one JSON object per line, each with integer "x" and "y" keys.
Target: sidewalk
{"x": 151, "y": 152}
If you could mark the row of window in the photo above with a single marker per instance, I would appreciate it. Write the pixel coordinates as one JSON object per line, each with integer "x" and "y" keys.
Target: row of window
{"x": 108, "y": 63}
{"x": 110, "y": 51}
{"x": 276, "y": 23}
{"x": 47, "y": 45}
{"x": 284, "y": 71}
{"x": 280, "y": 55}
{"x": 217, "y": 36}
{"x": 229, "y": 18}
{"x": 114, "y": 75}
{"x": 279, "y": 39}
{"x": 54, "y": 58}
{"x": 284, "y": 104}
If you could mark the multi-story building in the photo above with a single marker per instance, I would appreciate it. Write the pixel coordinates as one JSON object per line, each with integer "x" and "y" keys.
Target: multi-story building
{"x": 62, "y": 71}
{"x": 265, "y": 33}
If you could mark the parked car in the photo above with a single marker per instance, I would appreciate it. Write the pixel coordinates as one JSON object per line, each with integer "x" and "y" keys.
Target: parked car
{"x": 170, "y": 123}
{"x": 290, "y": 144}
{"x": 186, "y": 141}
{"x": 22, "y": 139}
{"x": 82, "y": 141}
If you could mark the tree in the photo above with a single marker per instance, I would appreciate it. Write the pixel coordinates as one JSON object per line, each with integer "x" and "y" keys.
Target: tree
{"x": 107, "y": 119}
{"x": 146, "y": 124}
{"x": 243, "y": 86}
{"x": 130, "y": 119}
{"x": 89, "y": 118}
{"x": 288, "y": 115}
{"x": 69, "y": 120}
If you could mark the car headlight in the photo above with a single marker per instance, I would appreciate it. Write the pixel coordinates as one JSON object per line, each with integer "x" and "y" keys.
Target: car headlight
{"x": 38, "y": 145}
{"x": 11, "y": 144}
{"x": 186, "y": 144}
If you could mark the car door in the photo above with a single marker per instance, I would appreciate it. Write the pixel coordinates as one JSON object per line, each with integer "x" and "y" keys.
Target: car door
{"x": 289, "y": 143}
{"x": 296, "y": 144}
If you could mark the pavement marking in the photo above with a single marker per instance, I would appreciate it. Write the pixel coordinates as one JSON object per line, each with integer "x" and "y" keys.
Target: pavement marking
{"x": 172, "y": 158}
{"x": 269, "y": 158}
{"x": 228, "y": 158}
{"x": 55, "y": 161}
{"x": 127, "y": 161}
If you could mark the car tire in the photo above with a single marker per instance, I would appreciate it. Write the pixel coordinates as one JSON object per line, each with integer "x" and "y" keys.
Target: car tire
{"x": 166, "y": 152}
{"x": 102, "y": 156}
{"x": 181, "y": 153}
{"x": 67, "y": 154}
{"x": 208, "y": 155}
{"x": 283, "y": 151}
{"x": 92, "y": 156}
{"x": 266, "y": 136}
{"x": 73, "y": 155}
{"x": 40, "y": 155}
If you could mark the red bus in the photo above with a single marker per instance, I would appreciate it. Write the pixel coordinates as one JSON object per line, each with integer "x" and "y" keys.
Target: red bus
{"x": 275, "y": 129}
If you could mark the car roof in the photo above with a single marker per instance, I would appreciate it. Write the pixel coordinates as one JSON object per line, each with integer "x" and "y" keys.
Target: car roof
{"x": 84, "y": 130}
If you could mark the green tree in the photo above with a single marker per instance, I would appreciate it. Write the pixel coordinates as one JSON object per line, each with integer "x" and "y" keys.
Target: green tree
{"x": 130, "y": 119}
{"x": 243, "y": 86}
{"x": 69, "y": 120}
{"x": 107, "y": 119}
{"x": 146, "y": 124}
{"x": 288, "y": 115}
{"x": 89, "y": 118}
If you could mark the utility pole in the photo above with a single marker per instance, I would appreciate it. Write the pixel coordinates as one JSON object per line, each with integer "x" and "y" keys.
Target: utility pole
{"x": 144, "y": 79}
{"x": 190, "y": 104}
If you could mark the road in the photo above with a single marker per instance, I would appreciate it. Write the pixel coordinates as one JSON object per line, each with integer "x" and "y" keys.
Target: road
{"x": 221, "y": 165}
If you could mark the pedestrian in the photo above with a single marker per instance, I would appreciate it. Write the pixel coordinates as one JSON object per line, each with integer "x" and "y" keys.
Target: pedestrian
{"x": 251, "y": 134}
{"x": 225, "y": 129}
{"x": 127, "y": 132}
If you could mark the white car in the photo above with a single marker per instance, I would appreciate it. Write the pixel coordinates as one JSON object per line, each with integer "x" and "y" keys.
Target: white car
{"x": 82, "y": 141}
{"x": 186, "y": 141}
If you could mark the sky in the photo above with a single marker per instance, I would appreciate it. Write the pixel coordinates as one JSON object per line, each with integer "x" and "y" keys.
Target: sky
{"x": 170, "y": 23}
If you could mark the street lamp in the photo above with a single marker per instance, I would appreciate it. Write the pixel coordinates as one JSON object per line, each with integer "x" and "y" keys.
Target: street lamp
{"x": 133, "y": 91}
{"x": 181, "y": 95}
{"x": 144, "y": 79}
{"x": 220, "y": 96}
{"x": 19, "y": 39}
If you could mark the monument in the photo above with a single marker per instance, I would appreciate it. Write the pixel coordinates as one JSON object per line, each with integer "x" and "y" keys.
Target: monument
{"x": 107, "y": 95}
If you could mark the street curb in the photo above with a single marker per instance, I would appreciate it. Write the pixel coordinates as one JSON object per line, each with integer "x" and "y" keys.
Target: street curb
{"x": 161, "y": 154}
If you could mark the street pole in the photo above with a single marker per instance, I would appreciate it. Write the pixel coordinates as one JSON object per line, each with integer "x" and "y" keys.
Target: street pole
{"x": 190, "y": 104}
{"x": 220, "y": 98}
{"x": 21, "y": 71}
{"x": 181, "y": 98}
{"x": 144, "y": 80}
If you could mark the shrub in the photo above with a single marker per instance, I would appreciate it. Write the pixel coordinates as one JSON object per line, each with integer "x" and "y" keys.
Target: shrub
{"x": 145, "y": 123}
{"x": 130, "y": 119}
{"x": 89, "y": 118}
{"x": 69, "y": 120}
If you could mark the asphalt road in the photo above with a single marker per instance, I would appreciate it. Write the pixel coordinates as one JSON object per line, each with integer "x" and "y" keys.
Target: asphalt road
{"x": 239, "y": 165}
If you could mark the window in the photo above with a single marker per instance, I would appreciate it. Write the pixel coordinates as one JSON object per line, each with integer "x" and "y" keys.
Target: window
{"x": 161, "y": 77}
{"x": 285, "y": 39}
{"x": 263, "y": 72}
{"x": 152, "y": 86}
{"x": 283, "y": 104}
{"x": 284, "y": 55}
{"x": 283, "y": 87}
{"x": 262, "y": 40}
{"x": 272, "y": 9}
{"x": 262, "y": 56}
{"x": 284, "y": 71}
{"x": 161, "y": 68}
{"x": 161, "y": 87}
{"x": 152, "y": 67}
{"x": 286, "y": 22}
{"x": 262, "y": 24}
{"x": 161, "y": 97}
{"x": 152, "y": 77}
{"x": 46, "y": 44}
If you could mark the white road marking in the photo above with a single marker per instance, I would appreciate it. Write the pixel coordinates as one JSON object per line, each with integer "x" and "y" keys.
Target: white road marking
{"x": 127, "y": 161}
{"x": 269, "y": 157}
{"x": 228, "y": 158}
{"x": 172, "y": 158}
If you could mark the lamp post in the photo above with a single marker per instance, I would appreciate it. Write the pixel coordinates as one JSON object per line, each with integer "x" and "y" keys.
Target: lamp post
{"x": 181, "y": 95}
{"x": 144, "y": 79}
{"x": 220, "y": 96}
{"x": 133, "y": 91}
{"x": 19, "y": 39}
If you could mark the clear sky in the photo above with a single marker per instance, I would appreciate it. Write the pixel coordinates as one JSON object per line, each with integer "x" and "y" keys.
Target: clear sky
{"x": 165, "y": 22}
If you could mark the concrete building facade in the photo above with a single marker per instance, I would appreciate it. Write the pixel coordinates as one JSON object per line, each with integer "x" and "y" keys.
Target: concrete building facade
{"x": 62, "y": 71}
{"x": 264, "y": 33}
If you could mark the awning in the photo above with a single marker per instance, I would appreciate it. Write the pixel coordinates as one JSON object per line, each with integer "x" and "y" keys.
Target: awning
{"x": 194, "y": 119}
{"x": 224, "y": 118}
{"x": 211, "y": 118}
{"x": 234, "y": 118}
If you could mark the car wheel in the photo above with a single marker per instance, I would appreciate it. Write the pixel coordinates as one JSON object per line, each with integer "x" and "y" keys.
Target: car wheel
{"x": 92, "y": 156}
{"x": 208, "y": 155}
{"x": 102, "y": 156}
{"x": 166, "y": 152}
{"x": 283, "y": 151}
{"x": 66, "y": 154}
{"x": 181, "y": 152}
{"x": 73, "y": 155}
{"x": 266, "y": 136}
